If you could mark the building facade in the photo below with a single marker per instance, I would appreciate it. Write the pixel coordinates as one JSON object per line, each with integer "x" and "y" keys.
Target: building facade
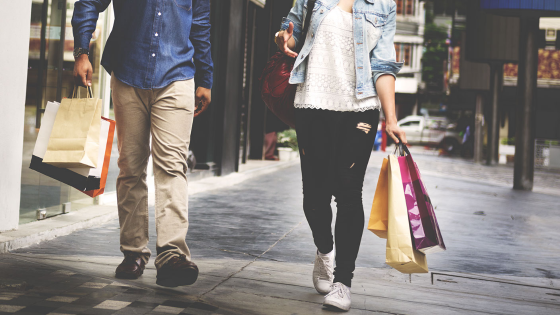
{"x": 409, "y": 40}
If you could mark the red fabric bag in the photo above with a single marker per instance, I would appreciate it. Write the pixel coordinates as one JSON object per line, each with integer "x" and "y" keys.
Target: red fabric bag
{"x": 277, "y": 92}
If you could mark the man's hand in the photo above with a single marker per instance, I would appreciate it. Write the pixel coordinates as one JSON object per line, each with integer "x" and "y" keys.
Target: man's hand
{"x": 286, "y": 42}
{"x": 83, "y": 71}
{"x": 202, "y": 100}
{"x": 394, "y": 131}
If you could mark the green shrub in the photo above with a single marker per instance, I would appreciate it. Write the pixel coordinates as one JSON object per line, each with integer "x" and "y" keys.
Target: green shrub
{"x": 288, "y": 139}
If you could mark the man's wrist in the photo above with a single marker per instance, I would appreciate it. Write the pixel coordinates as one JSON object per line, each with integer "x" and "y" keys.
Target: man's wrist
{"x": 81, "y": 57}
{"x": 78, "y": 51}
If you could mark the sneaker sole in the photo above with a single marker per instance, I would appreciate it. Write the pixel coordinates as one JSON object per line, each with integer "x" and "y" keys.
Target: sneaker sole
{"x": 187, "y": 278}
{"x": 335, "y": 306}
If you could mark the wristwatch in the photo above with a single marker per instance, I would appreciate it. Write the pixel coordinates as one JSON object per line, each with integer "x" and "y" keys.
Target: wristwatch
{"x": 80, "y": 51}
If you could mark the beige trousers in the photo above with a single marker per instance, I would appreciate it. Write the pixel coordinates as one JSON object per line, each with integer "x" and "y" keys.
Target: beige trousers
{"x": 167, "y": 115}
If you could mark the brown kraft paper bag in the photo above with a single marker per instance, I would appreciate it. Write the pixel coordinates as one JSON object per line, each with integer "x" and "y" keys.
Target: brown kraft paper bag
{"x": 400, "y": 253}
{"x": 74, "y": 140}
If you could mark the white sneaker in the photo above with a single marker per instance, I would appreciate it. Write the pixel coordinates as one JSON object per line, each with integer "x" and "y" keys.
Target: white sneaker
{"x": 323, "y": 272}
{"x": 339, "y": 297}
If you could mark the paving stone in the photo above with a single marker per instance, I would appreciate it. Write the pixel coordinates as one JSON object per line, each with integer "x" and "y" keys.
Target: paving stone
{"x": 168, "y": 309}
{"x": 66, "y": 299}
{"x": 10, "y": 308}
{"x": 94, "y": 285}
{"x": 112, "y": 305}
{"x": 133, "y": 311}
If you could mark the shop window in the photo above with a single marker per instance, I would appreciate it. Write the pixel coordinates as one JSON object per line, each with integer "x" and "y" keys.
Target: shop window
{"x": 49, "y": 78}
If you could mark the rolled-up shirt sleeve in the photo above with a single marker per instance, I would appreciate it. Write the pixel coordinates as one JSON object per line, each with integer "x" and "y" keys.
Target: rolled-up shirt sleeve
{"x": 84, "y": 20}
{"x": 383, "y": 60}
{"x": 296, "y": 16}
{"x": 200, "y": 38}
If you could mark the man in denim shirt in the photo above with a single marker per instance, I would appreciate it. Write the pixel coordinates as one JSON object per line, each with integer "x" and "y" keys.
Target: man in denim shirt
{"x": 156, "y": 53}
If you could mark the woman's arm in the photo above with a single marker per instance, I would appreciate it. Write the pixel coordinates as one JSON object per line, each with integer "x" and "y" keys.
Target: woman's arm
{"x": 384, "y": 68}
{"x": 291, "y": 28}
{"x": 385, "y": 87}
{"x": 285, "y": 41}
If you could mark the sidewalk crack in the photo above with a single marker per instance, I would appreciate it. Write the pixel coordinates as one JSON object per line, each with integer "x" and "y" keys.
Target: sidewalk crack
{"x": 257, "y": 257}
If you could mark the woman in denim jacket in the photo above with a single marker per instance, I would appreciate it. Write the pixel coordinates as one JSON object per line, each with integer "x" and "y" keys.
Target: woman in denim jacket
{"x": 346, "y": 73}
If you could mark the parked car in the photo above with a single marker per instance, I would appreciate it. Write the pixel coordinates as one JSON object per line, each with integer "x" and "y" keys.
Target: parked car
{"x": 432, "y": 131}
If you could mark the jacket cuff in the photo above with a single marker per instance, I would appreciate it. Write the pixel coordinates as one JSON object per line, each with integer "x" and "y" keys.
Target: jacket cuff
{"x": 381, "y": 67}
{"x": 297, "y": 29}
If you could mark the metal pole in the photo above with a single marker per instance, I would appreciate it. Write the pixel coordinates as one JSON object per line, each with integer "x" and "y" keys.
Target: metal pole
{"x": 478, "y": 131}
{"x": 493, "y": 121}
{"x": 524, "y": 166}
{"x": 60, "y": 65}
{"x": 42, "y": 65}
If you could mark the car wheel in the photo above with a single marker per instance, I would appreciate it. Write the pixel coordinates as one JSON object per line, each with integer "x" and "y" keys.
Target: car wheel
{"x": 450, "y": 145}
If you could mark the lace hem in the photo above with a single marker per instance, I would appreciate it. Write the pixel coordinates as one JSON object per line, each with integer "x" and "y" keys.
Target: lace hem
{"x": 356, "y": 109}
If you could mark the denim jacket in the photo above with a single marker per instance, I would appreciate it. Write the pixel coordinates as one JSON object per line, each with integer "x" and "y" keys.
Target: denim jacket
{"x": 153, "y": 42}
{"x": 374, "y": 31}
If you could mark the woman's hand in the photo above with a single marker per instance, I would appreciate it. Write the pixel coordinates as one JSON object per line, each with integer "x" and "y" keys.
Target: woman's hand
{"x": 395, "y": 132}
{"x": 286, "y": 42}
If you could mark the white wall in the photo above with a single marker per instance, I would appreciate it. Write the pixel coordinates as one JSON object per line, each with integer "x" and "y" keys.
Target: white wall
{"x": 14, "y": 36}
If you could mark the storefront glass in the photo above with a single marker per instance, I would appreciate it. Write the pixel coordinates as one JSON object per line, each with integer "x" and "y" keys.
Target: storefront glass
{"x": 50, "y": 78}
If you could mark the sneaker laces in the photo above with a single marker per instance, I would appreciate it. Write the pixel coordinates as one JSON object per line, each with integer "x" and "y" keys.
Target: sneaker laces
{"x": 338, "y": 289}
{"x": 324, "y": 270}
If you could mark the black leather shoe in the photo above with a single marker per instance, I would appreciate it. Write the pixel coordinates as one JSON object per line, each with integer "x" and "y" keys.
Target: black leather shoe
{"x": 131, "y": 267}
{"x": 176, "y": 272}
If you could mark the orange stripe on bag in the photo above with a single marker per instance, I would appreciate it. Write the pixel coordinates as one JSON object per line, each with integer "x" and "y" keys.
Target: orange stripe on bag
{"x": 106, "y": 161}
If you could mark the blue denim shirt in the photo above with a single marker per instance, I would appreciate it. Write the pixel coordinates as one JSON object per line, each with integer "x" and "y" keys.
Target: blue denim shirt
{"x": 370, "y": 63}
{"x": 153, "y": 42}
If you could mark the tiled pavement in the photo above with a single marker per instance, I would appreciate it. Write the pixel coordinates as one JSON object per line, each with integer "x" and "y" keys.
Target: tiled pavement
{"x": 30, "y": 288}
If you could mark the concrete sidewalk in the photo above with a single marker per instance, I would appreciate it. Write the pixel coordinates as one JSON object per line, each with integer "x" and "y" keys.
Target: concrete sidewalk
{"x": 83, "y": 285}
{"x": 39, "y": 231}
{"x": 255, "y": 253}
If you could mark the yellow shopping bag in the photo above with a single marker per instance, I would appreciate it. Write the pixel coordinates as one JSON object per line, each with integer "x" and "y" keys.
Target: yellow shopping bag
{"x": 74, "y": 140}
{"x": 380, "y": 209}
{"x": 400, "y": 253}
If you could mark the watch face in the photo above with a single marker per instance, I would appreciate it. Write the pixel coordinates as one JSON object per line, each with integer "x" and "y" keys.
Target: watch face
{"x": 80, "y": 51}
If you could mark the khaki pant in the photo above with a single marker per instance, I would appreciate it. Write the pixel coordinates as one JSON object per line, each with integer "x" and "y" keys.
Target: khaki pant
{"x": 167, "y": 115}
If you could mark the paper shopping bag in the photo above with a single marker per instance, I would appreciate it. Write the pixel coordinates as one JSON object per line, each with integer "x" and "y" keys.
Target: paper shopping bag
{"x": 83, "y": 179}
{"x": 380, "y": 209}
{"x": 400, "y": 252}
{"x": 108, "y": 130}
{"x": 74, "y": 139}
{"x": 426, "y": 234}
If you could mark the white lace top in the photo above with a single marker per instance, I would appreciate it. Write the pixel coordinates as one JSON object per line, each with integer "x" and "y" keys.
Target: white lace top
{"x": 330, "y": 81}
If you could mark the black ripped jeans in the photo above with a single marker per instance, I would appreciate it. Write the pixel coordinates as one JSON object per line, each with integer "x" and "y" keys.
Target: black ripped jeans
{"x": 335, "y": 148}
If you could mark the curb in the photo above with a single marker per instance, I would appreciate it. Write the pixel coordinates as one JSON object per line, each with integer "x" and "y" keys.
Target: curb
{"x": 36, "y": 232}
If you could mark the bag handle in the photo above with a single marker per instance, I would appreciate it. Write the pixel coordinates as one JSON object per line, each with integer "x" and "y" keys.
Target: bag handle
{"x": 310, "y": 6}
{"x": 402, "y": 148}
{"x": 74, "y": 92}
